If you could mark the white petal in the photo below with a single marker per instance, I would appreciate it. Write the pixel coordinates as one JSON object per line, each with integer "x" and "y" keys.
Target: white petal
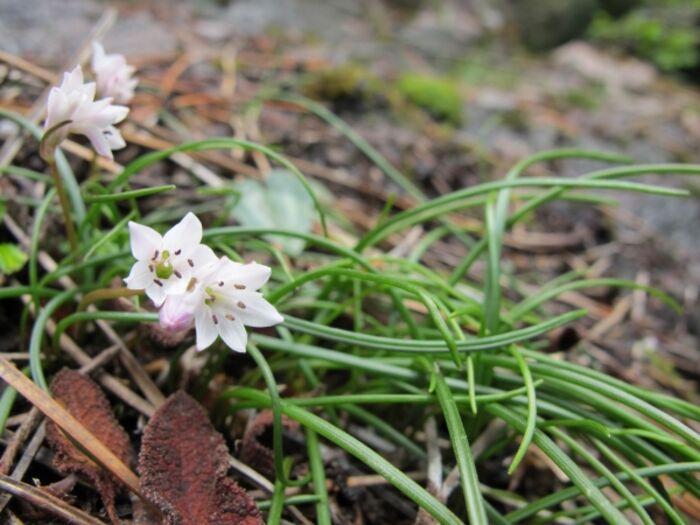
{"x": 251, "y": 275}
{"x": 73, "y": 80}
{"x": 139, "y": 277}
{"x": 156, "y": 293}
{"x": 99, "y": 143}
{"x": 203, "y": 257}
{"x": 114, "y": 113}
{"x": 233, "y": 334}
{"x": 256, "y": 311}
{"x": 144, "y": 241}
{"x": 56, "y": 108}
{"x": 185, "y": 235}
{"x": 175, "y": 285}
{"x": 114, "y": 138}
{"x": 206, "y": 329}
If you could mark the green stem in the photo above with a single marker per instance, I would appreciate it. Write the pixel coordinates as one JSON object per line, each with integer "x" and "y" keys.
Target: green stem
{"x": 65, "y": 206}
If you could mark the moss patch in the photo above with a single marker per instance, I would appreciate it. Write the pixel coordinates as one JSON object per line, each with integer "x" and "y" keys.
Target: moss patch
{"x": 437, "y": 95}
{"x": 346, "y": 82}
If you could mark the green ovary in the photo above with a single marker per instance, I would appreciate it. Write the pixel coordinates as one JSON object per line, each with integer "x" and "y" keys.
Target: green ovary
{"x": 164, "y": 270}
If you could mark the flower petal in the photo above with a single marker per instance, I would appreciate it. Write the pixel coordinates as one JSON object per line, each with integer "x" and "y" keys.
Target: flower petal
{"x": 57, "y": 108}
{"x": 233, "y": 333}
{"x": 206, "y": 329}
{"x": 114, "y": 138}
{"x": 156, "y": 293}
{"x": 185, "y": 235}
{"x": 73, "y": 80}
{"x": 175, "y": 285}
{"x": 251, "y": 275}
{"x": 99, "y": 143}
{"x": 254, "y": 310}
{"x": 139, "y": 277}
{"x": 203, "y": 257}
{"x": 144, "y": 241}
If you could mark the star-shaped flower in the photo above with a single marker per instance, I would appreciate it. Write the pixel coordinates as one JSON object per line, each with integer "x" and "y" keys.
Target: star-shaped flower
{"x": 166, "y": 265}
{"x": 224, "y": 299}
{"x": 113, "y": 75}
{"x": 72, "y": 105}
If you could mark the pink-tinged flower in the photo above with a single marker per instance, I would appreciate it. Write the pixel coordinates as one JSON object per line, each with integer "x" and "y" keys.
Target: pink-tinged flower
{"x": 167, "y": 264}
{"x": 113, "y": 75}
{"x": 175, "y": 315}
{"x": 224, "y": 300}
{"x": 73, "y": 105}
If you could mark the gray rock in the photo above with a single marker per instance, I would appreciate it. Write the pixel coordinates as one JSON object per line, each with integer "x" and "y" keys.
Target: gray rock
{"x": 545, "y": 24}
{"x": 51, "y": 32}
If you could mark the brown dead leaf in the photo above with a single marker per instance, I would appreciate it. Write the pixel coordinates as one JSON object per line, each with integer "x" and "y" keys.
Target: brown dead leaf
{"x": 254, "y": 452}
{"x": 183, "y": 464}
{"x": 85, "y": 401}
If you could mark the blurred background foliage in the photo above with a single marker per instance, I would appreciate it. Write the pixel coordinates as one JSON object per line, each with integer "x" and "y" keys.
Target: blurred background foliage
{"x": 664, "y": 32}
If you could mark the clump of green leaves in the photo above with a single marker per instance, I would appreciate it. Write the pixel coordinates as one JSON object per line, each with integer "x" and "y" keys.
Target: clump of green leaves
{"x": 12, "y": 258}
{"x": 437, "y": 95}
{"x": 667, "y": 37}
{"x": 281, "y": 202}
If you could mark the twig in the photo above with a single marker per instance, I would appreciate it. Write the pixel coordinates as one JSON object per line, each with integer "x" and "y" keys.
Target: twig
{"x": 434, "y": 469}
{"x": 26, "y": 460}
{"x": 19, "y": 437}
{"x": 68, "y": 424}
{"x": 108, "y": 381}
{"x": 618, "y": 313}
{"x": 46, "y": 501}
{"x": 639, "y": 297}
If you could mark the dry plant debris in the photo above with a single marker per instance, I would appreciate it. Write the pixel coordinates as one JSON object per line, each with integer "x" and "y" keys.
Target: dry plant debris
{"x": 87, "y": 403}
{"x": 183, "y": 464}
{"x": 254, "y": 451}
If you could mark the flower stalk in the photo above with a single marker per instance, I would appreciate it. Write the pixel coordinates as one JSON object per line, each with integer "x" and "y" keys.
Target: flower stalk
{"x": 63, "y": 200}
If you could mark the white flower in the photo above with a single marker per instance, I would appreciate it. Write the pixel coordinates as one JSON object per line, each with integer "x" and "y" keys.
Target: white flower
{"x": 113, "y": 75}
{"x": 224, "y": 299}
{"x": 74, "y": 102}
{"x": 166, "y": 264}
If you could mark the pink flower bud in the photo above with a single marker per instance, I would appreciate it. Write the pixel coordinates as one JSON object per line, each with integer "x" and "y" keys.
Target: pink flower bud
{"x": 175, "y": 315}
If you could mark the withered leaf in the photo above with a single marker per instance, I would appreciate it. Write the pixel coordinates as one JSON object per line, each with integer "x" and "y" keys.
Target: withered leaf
{"x": 81, "y": 396}
{"x": 254, "y": 451}
{"x": 183, "y": 464}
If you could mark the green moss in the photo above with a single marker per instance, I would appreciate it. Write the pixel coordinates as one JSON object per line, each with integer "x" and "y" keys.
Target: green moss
{"x": 667, "y": 37}
{"x": 588, "y": 97}
{"x": 349, "y": 81}
{"x": 437, "y": 95}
